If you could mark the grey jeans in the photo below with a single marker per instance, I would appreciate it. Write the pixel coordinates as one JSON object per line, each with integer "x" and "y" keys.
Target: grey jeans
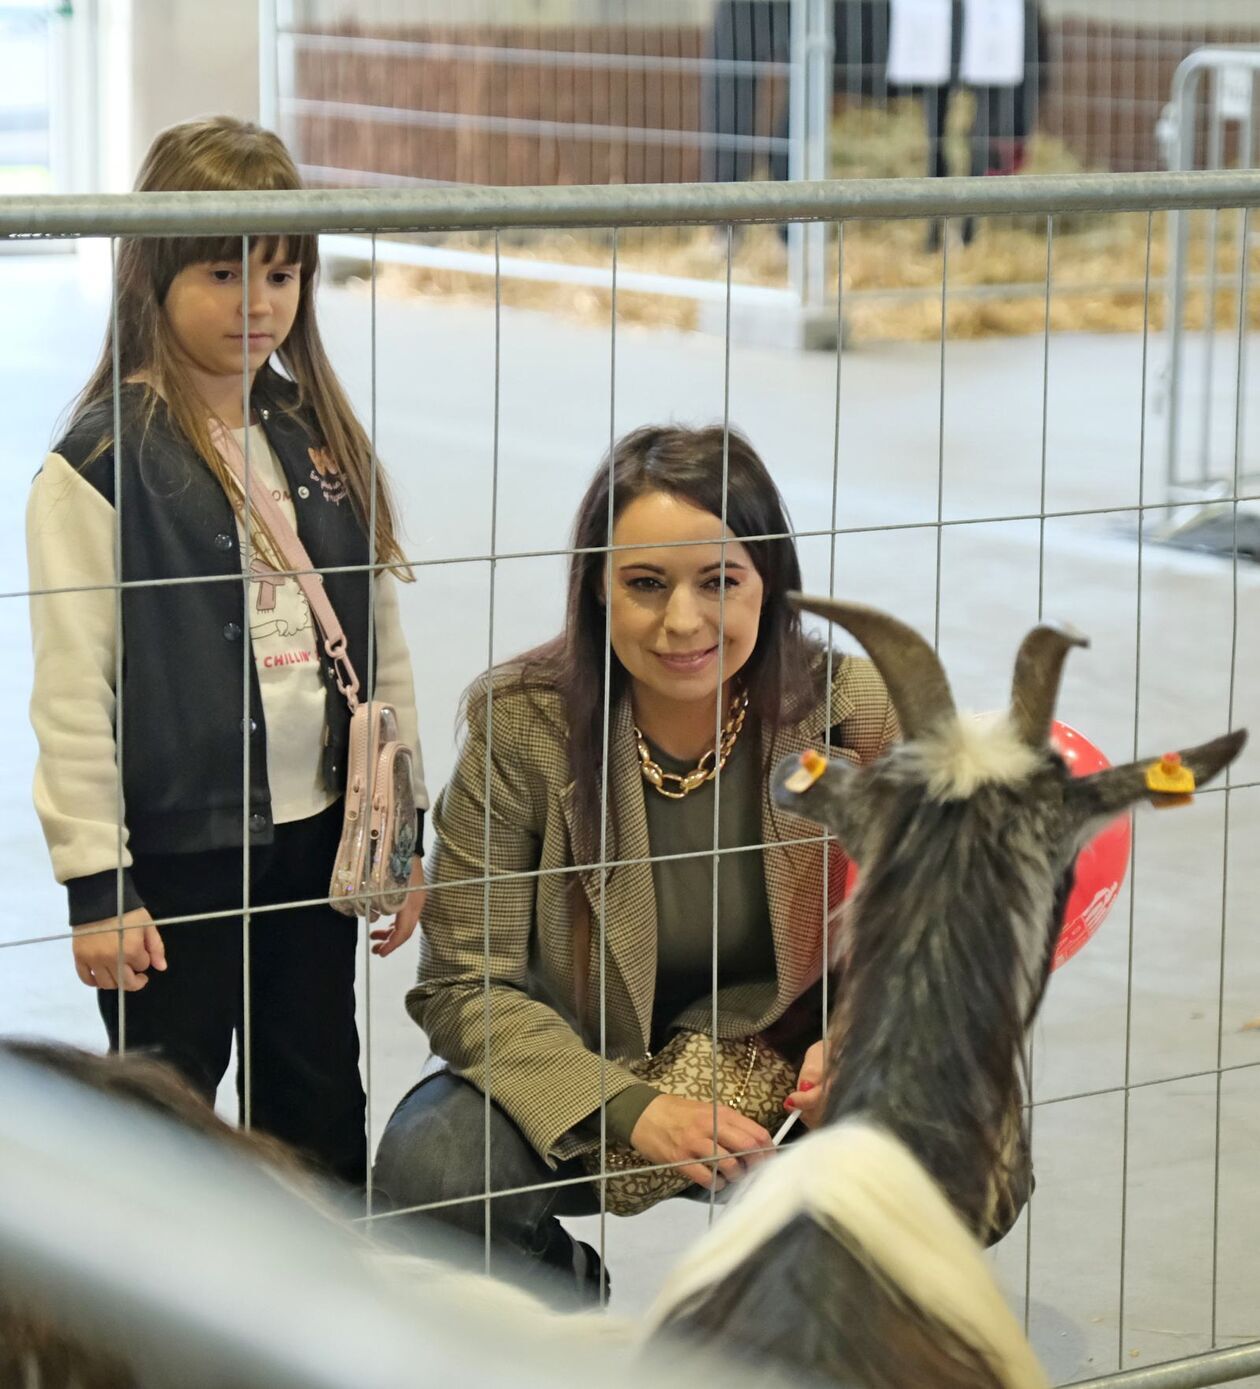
{"x": 433, "y": 1150}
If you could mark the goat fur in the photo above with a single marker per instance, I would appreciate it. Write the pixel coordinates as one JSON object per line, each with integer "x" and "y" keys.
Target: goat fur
{"x": 897, "y": 1240}
{"x": 856, "y": 1256}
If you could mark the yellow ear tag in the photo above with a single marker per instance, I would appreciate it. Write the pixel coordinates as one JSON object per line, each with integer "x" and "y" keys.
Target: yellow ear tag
{"x": 1169, "y": 777}
{"x": 813, "y": 765}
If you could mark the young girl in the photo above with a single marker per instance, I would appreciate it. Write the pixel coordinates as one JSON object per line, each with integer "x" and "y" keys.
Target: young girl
{"x": 167, "y": 714}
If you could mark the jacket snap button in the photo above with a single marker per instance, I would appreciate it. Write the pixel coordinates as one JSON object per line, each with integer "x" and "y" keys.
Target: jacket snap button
{"x": 223, "y": 541}
{"x": 304, "y": 492}
{"x": 257, "y": 823}
{"x": 232, "y": 631}
{"x": 253, "y": 726}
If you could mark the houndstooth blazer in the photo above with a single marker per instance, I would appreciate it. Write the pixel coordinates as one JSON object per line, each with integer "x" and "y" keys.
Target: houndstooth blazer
{"x": 496, "y": 985}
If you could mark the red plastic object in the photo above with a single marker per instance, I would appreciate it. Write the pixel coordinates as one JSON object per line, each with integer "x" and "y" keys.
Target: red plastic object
{"x": 1100, "y": 866}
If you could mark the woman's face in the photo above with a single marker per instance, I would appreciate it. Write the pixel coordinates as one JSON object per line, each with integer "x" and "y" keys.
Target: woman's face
{"x": 665, "y": 591}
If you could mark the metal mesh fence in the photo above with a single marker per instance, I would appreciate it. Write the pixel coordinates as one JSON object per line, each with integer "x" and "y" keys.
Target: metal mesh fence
{"x": 620, "y": 93}
{"x": 1007, "y": 514}
{"x": 733, "y": 90}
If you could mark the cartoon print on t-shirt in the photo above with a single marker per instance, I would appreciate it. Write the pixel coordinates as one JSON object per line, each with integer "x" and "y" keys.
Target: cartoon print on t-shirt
{"x": 328, "y": 475}
{"x": 268, "y": 582}
{"x": 287, "y": 614}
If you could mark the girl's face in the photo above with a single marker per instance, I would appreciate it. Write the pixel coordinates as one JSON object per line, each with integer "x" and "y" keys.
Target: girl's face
{"x": 665, "y": 590}
{"x": 213, "y": 327}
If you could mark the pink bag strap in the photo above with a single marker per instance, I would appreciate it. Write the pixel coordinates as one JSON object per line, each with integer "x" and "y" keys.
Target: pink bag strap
{"x": 294, "y": 554}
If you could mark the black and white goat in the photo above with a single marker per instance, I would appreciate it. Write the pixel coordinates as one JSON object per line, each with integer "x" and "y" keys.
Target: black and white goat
{"x": 855, "y": 1254}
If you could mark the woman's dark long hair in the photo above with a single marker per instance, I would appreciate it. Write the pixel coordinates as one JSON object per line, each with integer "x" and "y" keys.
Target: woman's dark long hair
{"x": 781, "y": 675}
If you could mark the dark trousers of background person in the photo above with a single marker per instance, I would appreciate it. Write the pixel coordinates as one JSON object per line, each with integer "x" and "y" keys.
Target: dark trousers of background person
{"x": 759, "y": 31}
{"x": 433, "y": 1150}
{"x": 305, "y": 1087}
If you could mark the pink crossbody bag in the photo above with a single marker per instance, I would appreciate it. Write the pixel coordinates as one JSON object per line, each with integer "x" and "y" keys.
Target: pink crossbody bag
{"x": 378, "y": 837}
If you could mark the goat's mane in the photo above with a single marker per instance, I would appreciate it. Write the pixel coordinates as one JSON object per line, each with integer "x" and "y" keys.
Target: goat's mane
{"x": 946, "y": 961}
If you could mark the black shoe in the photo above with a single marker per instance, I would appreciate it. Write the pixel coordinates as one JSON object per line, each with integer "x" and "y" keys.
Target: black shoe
{"x": 588, "y": 1275}
{"x": 573, "y": 1268}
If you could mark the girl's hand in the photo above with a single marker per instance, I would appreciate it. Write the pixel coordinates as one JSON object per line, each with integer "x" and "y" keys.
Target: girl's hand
{"x": 810, "y": 1095}
{"x": 389, "y": 938}
{"x": 673, "y": 1129}
{"x": 96, "y": 951}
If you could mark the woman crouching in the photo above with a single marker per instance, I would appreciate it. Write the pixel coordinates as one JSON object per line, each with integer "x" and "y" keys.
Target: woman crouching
{"x": 525, "y": 980}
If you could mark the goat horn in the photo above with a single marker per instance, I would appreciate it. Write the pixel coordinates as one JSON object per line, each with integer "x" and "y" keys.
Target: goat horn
{"x": 916, "y": 682}
{"x": 1038, "y": 670}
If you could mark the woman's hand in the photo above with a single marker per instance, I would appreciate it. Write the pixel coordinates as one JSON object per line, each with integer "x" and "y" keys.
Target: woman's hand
{"x": 810, "y": 1095}
{"x": 389, "y": 938}
{"x": 673, "y": 1129}
{"x": 96, "y": 951}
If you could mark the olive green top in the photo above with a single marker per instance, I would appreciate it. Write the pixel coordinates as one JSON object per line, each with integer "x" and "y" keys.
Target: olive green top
{"x": 684, "y": 902}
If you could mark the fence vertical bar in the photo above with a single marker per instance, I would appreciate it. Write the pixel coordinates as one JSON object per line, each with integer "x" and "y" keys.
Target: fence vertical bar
{"x": 371, "y": 694}
{"x": 119, "y": 737}
{"x": 1185, "y": 104}
{"x": 246, "y": 1058}
{"x": 1133, "y": 841}
{"x": 1243, "y": 319}
{"x": 809, "y": 123}
{"x": 1215, "y": 155}
{"x": 719, "y": 707}
{"x": 1246, "y": 155}
{"x": 1029, "y": 1058}
{"x": 487, "y": 1016}
{"x": 798, "y": 136}
{"x": 831, "y": 591}
{"x": 603, "y": 794}
{"x": 940, "y": 436}
{"x": 819, "y": 63}
{"x": 268, "y": 64}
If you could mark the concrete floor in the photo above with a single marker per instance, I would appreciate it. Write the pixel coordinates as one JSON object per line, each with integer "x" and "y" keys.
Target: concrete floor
{"x": 1187, "y": 1144}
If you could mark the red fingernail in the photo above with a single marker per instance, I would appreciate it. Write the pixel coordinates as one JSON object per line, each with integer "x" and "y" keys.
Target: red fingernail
{"x": 789, "y": 1104}
{"x": 806, "y": 1085}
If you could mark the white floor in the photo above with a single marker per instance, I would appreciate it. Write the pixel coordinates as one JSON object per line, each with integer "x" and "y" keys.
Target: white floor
{"x": 1187, "y": 1144}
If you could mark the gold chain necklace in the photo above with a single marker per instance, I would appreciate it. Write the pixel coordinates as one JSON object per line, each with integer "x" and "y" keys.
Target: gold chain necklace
{"x": 709, "y": 765}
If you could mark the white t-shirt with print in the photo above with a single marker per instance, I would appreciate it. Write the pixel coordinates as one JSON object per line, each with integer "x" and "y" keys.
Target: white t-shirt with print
{"x": 286, "y": 653}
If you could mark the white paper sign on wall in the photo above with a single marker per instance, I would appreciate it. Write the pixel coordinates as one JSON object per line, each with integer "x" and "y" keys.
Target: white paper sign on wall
{"x": 919, "y": 39}
{"x": 1234, "y": 90}
{"x": 992, "y": 43}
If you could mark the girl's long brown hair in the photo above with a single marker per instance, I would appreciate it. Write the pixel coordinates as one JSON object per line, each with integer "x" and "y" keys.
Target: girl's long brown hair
{"x": 222, "y": 154}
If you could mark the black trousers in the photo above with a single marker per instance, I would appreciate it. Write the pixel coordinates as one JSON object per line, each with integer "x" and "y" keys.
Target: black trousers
{"x": 433, "y": 1150}
{"x": 304, "y": 1043}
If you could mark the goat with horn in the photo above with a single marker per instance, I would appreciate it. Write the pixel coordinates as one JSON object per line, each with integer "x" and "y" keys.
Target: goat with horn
{"x": 856, "y": 1254}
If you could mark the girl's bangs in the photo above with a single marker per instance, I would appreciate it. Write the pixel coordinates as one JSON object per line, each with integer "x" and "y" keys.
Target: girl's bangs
{"x": 176, "y": 253}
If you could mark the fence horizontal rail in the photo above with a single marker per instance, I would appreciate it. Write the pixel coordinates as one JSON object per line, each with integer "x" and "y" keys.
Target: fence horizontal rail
{"x": 1194, "y": 1372}
{"x": 616, "y": 205}
{"x": 520, "y": 125}
{"x": 490, "y": 55}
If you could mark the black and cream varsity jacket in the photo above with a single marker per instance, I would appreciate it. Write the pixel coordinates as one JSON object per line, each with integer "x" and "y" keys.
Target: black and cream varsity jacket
{"x": 176, "y": 728}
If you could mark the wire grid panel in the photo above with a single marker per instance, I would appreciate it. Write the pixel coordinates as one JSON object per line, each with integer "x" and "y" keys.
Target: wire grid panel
{"x": 727, "y": 90}
{"x": 1212, "y": 122}
{"x": 612, "y": 92}
{"x": 504, "y": 94}
{"x": 1142, "y": 1121}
